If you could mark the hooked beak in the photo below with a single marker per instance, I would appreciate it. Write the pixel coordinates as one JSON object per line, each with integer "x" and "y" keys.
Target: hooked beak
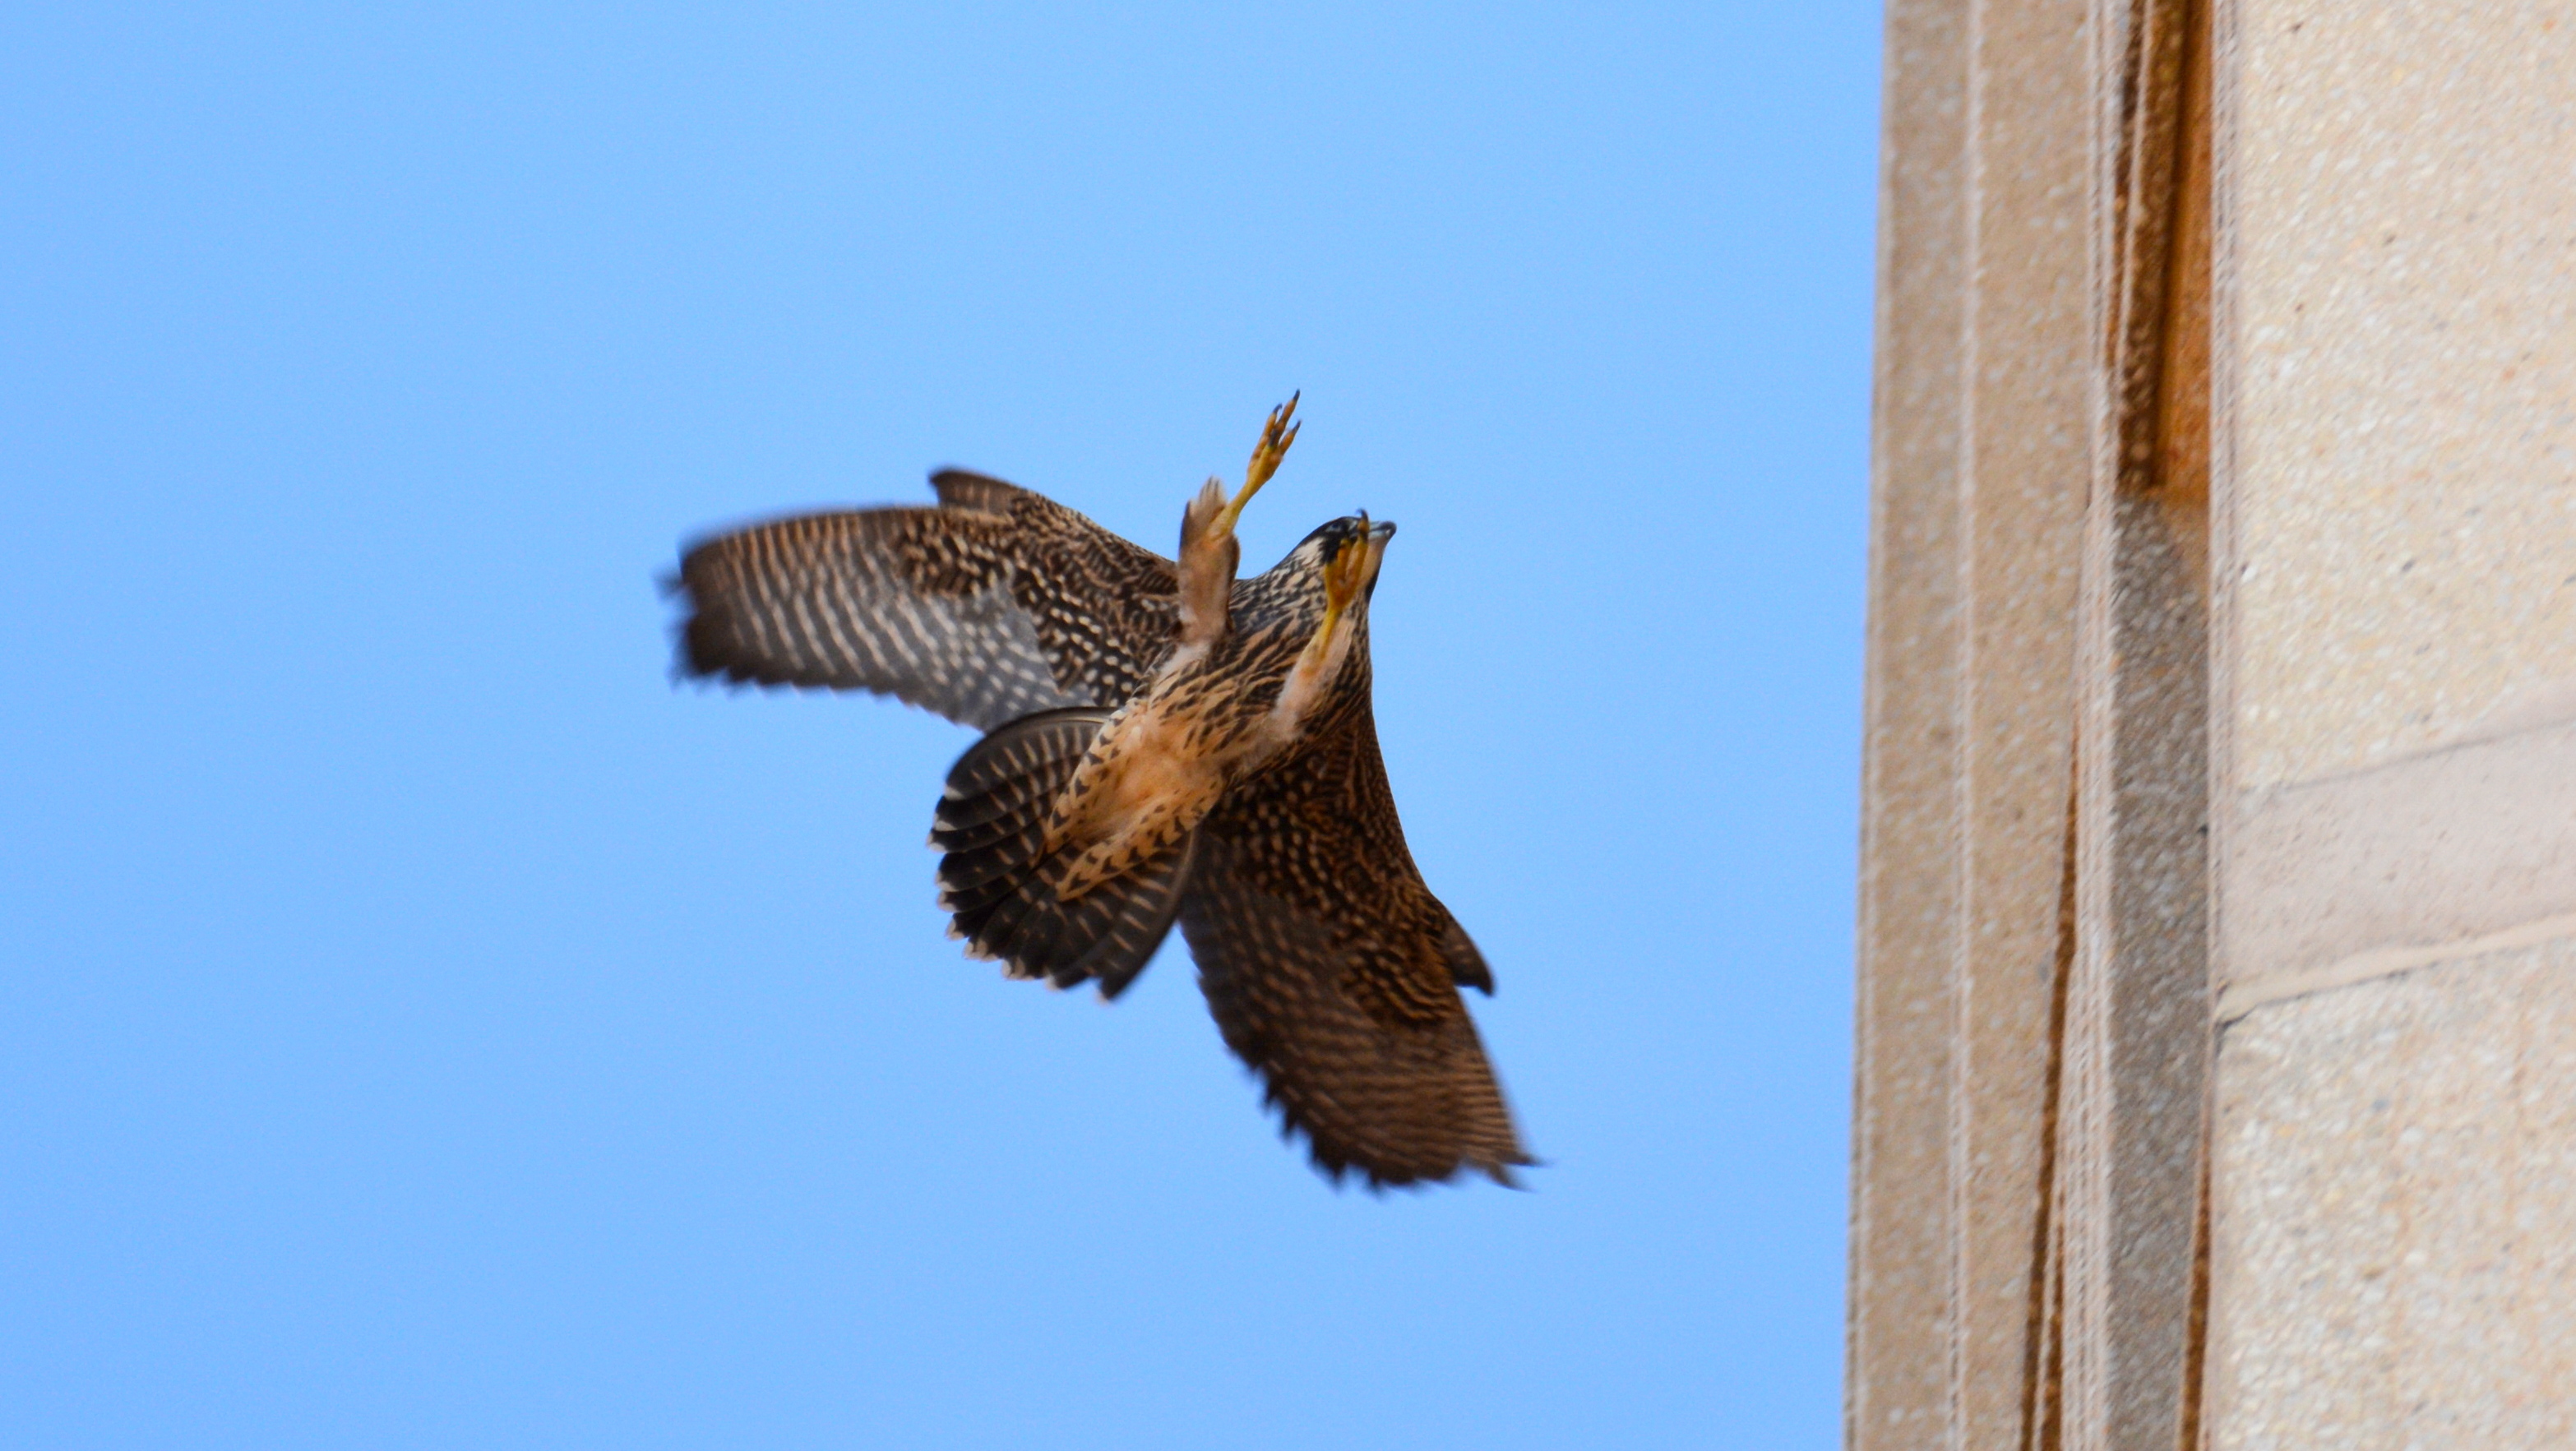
{"x": 1348, "y": 577}
{"x": 1374, "y": 553}
{"x": 1352, "y": 572}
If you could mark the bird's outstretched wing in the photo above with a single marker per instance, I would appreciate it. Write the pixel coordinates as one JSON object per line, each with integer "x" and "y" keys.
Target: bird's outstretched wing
{"x": 994, "y": 604}
{"x": 1334, "y": 973}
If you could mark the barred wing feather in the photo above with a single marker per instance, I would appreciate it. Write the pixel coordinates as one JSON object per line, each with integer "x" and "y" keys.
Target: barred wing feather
{"x": 1333, "y": 972}
{"x": 993, "y": 605}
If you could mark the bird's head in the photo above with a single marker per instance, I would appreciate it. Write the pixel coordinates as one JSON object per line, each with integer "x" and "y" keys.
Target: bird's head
{"x": 1342, "y": 557}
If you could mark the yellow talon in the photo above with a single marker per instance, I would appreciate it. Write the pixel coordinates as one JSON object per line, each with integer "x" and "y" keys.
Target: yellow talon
{"x": 1276, "y": 435}
{"x": 1209, "y": 552}
{"x": 1343, "y": 575}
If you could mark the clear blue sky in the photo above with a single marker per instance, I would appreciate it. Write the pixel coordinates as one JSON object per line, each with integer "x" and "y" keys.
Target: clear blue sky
{"x": 423, "y": 1025}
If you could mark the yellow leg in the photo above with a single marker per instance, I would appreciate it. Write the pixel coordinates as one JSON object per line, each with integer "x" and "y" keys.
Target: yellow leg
{"x": 1276, "y": 435}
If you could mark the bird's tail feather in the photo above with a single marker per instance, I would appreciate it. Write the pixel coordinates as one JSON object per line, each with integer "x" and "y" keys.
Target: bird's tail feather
{"x": 999, "y": 880}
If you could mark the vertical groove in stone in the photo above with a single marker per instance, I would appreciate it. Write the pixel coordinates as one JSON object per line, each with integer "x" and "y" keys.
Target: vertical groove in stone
{"x": 2139, "y": 1025}
{"x": 2195, "y": 1377}
{"x": 2043, "y": 1356}
{"x": 2212, "y": 83}
{"x": 2183, "y": 443}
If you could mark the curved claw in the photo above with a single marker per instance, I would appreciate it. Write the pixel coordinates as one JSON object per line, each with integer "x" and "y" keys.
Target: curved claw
{"x": 1277, "y": 434}
{"x": 1208, "y": 549}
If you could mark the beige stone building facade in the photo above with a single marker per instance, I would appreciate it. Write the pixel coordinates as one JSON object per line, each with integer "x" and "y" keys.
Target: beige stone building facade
{"x": 2217, "y": 1023}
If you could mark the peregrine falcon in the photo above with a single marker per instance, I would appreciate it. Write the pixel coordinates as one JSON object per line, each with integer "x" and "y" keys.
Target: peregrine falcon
{"x": 1164, "y": 743}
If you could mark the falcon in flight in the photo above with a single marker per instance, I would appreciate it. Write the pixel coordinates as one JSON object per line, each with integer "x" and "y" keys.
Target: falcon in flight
{"x": 1164, "y": 743}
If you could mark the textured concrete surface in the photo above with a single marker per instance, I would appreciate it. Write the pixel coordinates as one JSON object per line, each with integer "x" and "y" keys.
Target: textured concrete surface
{"x": 2395, "y": 726}
{"x": 2437, "y": 847}
{"x": 1981, "y": 450}
{"x": 2397, "y": 497}
{"x": 2397, "y": 1211}
{"x": 2402, "y": 212}
{"x": 2391, "y": 636}
{"x": 2026, "y": 464}
{"x": 1897, "y": 1372}
{"x": 2137, "y": 1022}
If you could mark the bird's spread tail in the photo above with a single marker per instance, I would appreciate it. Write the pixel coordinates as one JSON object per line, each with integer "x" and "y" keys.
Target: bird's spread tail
{"x": 1000, "y": 881}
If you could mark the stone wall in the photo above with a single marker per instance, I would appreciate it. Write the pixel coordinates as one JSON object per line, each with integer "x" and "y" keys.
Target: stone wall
{"x": 2217, "y": 1019}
